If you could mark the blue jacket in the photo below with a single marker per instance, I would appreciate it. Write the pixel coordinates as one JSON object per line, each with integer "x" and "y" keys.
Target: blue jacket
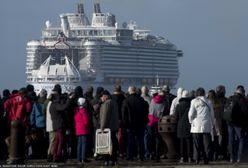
{"x": 37, "y": 118}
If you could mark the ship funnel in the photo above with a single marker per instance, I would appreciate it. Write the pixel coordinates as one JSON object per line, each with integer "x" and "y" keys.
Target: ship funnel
{"x": 97, "y": 8}
{"x": 80, "y": 8}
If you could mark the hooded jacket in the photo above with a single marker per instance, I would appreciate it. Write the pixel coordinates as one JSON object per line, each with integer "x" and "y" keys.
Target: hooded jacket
{"x": 201, "y": 115}
{"x": 81, "y": 120}
{"x": 156, "y": 109}
{"x": 182, "y": 111}
{"x": 175, "y": 101}
{"x": 58, "y": 112}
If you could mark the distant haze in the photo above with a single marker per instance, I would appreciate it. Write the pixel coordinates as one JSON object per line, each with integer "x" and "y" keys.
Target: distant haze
{"x": 212, "y": 34}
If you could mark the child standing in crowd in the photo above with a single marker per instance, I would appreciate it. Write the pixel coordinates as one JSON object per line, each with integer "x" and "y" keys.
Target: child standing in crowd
{"x": 82, "y": 127}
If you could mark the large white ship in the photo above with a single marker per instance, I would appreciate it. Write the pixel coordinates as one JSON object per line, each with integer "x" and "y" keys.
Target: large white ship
{"x": 100, "y": 52}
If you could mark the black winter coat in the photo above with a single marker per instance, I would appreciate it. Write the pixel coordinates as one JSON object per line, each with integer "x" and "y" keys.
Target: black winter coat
{"x": 240, "y": 111}
{"x": 58, "y": 113}
{"x": 135, "y": 112}
{"x": 182, "y": 111}
{"x": 119, "y": 98}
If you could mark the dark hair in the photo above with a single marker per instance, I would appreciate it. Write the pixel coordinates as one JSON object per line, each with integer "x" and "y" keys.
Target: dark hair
{"x": 30, "y": 88}
{"x": 23, "y": 91}
{"x": 240, "y": 87}
{"x": 105, "y": 92}
{"x": 57, "y": 88}
{"x": 211, "y": 94}
{"x": 117, "y": 88}
{"x": 78, "y": 91}
{"x": 220, "y": 91}
{"x": 6, "y": 93}
{"x": 14, "y": 91}
{"x": 99, "y": 90}
{"x": 90, "y": 89}
{"x": 200, "y": 92}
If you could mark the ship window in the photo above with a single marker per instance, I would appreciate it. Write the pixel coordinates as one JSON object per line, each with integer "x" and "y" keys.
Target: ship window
{"x": 90, "y": 32}
{"x": 95, "y": 33}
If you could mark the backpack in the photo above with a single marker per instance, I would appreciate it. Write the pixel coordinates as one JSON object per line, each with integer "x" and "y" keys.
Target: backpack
{"x": 229, "y": 109}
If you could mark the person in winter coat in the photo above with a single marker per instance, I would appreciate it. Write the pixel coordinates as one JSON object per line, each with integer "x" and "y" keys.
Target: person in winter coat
{"x": 183, "y": 127}
{"x": 217, "y": 131}
{"x": 49, "y": 127}
{"x": 176, "y": 101}
{"x": 18, "y": 108}
{"x": 220, "y": 97}
{"x": 152, "y": 136}
{"x": 109, "y": 119}
{"x": 168, "y": 99}
{"x": 96, "y": 104}
{"x": 135, "y": 118}
{"x": 58, "y": 116}
{"x": 119, "y": 97}
{"x": 237, "y": 124}
{"x": 82, "y": 128}
{"x": 201, "y": 117}
{"x": 145, "y": 94}
{"x": 4, "y": 129}
{"x": 37, "y": 123}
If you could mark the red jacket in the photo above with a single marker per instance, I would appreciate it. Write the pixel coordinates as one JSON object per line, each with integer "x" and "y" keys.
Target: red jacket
{"x": 82, "y": 123}
{"x": 18, "y": 107}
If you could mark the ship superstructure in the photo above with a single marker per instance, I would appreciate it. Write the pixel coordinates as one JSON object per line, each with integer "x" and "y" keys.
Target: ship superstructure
{"x": 103, "y": 52}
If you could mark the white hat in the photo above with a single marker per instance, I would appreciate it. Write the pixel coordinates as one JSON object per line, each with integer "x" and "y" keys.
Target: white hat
{"x": 81, "y": 101}
{"x": 185, "y": 94}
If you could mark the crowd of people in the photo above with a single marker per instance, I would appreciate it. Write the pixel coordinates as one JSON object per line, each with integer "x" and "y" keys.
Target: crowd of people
{"x": 60, "y": 126}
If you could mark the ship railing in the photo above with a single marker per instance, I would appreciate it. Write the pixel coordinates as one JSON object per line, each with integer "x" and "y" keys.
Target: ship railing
{"x": 55, "y": 79}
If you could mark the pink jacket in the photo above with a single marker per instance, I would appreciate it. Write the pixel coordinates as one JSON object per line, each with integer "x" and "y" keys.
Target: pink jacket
{"x": 81, "y": 120}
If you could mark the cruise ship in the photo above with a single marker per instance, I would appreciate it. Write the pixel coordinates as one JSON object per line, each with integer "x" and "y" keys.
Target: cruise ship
{"x": 100, "y": 52}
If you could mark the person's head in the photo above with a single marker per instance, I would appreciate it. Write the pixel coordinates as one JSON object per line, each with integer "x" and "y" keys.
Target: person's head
{"x": 78, "y": 91}
{"x": 81, "y": 101}
{"x": 43, "y": 93}
{"x": 185, "y": 94}
{"x": 220, "y": 91}
{"x": 30, "y": 88}
{"x": 144, "y": 90}
{"x": 90, "y": 90}
{"x": 6, "y": 93}
{"x": 105, "y": 95}
{"x": 211, "y": 94}
{"x": 57, "y": 89}
{"x": 200, "y": 92}
{"x": 131, "y": 90}
{"x": 138, "y": 91}
{"x": 117, "y": 88}
{"x": 240, "y": 90}
{"x": 166, "y": 89}
{"x": 99, "y": 90}
{"x": 179, "y": 92}
{"x": 23, "y": 92}
{"x": 192, "y": 94}
{"x": 15, "y": 91}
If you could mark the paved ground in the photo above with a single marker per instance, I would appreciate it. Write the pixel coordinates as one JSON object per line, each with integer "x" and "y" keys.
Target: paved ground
{"x": 98, "y": 164}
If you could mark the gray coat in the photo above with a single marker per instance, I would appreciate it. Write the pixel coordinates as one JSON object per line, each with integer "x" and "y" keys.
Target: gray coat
{"x": 109, "y": 115}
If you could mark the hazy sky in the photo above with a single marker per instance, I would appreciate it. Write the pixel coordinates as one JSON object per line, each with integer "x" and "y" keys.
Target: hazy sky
{"x": 213, "y": 35}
